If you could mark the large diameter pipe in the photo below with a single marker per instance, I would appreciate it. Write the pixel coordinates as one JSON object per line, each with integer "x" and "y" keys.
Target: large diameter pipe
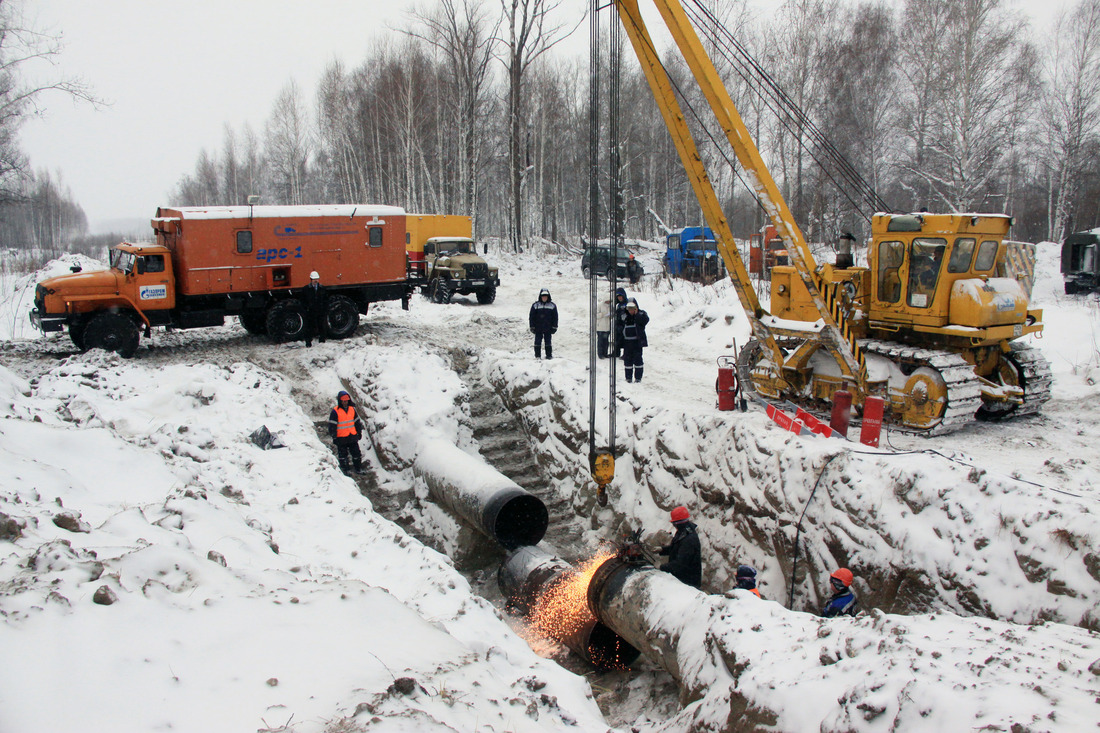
{"x": 527, "y": 575}
{"x": 651, "y": 610}
{"x": 479, "y": 494}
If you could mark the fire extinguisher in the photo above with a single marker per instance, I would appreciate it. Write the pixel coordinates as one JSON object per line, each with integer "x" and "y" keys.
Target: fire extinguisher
{"x": 726, "y": 384}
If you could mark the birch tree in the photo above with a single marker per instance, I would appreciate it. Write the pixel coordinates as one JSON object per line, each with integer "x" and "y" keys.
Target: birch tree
{"x": 287, "y": 146}
{"x": 1070, "y": 110}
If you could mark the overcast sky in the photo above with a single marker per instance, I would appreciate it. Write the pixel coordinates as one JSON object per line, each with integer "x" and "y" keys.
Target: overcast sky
{"x": 177, "y": 72}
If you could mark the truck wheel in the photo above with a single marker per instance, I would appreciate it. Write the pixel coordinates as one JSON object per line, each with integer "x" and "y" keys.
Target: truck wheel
{"x": 487, "y": 295}
{"x": 286, "y": 321}
{"x": 587, "y": 272}
{"x": 341, "y": 318}
{"x": 254, "y": 321}
{"x": 112, "y": 332}
{"x": 1070, "y": 289}
{"x": 76, "y": 332}
{"x": 441, "y": 292}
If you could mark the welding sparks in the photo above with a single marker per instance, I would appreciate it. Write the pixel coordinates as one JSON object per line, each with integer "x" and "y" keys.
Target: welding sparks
{"x": 561, "y": 613}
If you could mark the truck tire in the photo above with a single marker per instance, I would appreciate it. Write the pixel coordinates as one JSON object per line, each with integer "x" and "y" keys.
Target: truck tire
{"x": 341, "y": 317}
{"x": 587, "y": 272}
{"x": 254, "y": 321}
{"x": 112, "y": 332}
{"x": 286, "y": 321}
{"x": 441, "y": 292}
{"x": 487, "y": 295}
{"x": 76, "y": 332}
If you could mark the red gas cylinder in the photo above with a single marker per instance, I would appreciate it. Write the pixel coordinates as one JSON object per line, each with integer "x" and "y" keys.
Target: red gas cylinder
{"x": 872, "y": 421}
{"x": 842, "y": 411}
{"x": 727, "y": 383}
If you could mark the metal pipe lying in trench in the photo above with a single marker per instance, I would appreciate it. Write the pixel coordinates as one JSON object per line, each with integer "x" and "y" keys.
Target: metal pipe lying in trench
{"x": 478, "y": 493}
{"x": 648, "y": 608}
{"x": 550, "y": 593}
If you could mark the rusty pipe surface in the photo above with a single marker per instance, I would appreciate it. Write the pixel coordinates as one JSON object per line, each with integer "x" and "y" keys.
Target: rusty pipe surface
{"x": 648, "y": 608}
{"x": 526, "y": 578}
{"x": 485, "y": 498}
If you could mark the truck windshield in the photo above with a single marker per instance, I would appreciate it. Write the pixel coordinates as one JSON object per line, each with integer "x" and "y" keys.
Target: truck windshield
{"x": 462, "y": 248}
{"x": 701, "y": 244}
{"x": 123, "y": 261}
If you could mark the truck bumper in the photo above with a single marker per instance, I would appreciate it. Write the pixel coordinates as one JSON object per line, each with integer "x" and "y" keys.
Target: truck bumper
{"x": 46, "y": 324}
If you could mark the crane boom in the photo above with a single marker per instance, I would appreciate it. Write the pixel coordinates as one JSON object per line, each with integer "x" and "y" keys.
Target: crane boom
{"x": 830, "y": 332}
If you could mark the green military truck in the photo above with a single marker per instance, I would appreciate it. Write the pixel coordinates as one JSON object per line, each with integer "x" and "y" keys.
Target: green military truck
{"x": 453, "y": 266}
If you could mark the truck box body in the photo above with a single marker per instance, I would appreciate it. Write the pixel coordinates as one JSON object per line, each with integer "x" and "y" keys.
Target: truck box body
{"x": 238, "y": 249}
{"x": 422, "y": 227}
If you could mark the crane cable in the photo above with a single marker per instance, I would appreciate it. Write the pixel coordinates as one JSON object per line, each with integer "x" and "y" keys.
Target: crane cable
{"x": 601, "y": 463}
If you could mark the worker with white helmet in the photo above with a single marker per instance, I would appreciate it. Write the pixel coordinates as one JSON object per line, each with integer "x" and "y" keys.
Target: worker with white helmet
{"x": 315, "y": 299}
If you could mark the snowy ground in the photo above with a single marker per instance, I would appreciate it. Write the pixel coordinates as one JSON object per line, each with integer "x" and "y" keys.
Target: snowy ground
{"x": 262, "y": 591}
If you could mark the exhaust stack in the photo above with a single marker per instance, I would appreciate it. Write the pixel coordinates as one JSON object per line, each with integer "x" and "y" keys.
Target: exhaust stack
{"x": 551, "y": 594}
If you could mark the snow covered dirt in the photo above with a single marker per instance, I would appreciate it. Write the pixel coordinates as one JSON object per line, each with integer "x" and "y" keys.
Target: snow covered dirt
{"x": 262, "y": 590}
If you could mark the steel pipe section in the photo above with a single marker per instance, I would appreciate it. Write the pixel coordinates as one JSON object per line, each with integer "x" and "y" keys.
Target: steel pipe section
{"x": 651, "y": 610}
{"x": 481, "y": 495}
{"x": 527, "y": 574}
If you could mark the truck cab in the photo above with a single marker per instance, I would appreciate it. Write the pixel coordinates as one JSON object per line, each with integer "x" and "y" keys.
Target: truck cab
{"x": 105, "y": 308}
{"x": 1081, "y": 262}
{"x": 692, "y": 253}
{"x": 453, "y": 266}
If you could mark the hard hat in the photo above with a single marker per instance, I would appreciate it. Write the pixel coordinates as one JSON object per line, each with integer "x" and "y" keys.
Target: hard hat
{"x": 632, "y": 303}
{"x": 679, "y": 514}
{"x": 844, "y": 575}
{"x": 342, "y": 394}
{"x": 314, "y": 275}
{"x": 746, "y": 571}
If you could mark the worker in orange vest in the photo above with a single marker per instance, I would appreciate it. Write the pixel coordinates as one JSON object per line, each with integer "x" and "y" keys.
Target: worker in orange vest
{"x": 345, "y": 428}
{"x": 746, "y": 579}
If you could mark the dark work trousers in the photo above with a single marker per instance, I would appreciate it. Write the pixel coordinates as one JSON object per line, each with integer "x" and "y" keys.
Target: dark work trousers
{"x": 345, "y": 445}
{"x": 632, "y": 360}
{"x": 603, "y": 343}
{"x": 539, "y": 338}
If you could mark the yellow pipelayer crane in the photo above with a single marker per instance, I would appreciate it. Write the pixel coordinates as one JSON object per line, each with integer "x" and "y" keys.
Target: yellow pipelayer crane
{"x": 929, "y": 325}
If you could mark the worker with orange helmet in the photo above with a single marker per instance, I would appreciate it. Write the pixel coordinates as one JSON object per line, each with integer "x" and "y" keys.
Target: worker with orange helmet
{"x": 685, "y": 559}
{"x": 844, "y": 601}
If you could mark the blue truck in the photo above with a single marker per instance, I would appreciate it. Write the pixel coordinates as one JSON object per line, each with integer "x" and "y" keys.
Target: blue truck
{"x": 691, "y": 253}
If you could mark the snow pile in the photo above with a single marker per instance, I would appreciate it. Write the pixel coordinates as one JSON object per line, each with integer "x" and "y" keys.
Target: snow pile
{"x": 983, "y": 544}
{"x": 250, "y": 589}
{"x": 17, "y": 294}
{"x": 752, "y": 665}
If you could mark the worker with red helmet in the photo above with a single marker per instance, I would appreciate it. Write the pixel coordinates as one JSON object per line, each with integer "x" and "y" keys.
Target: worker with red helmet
{"x": 844, "y": 601}
{"x": 685, "y": 559}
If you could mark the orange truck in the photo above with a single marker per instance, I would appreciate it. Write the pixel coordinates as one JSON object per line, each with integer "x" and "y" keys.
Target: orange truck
{"x": 252, "y": 262}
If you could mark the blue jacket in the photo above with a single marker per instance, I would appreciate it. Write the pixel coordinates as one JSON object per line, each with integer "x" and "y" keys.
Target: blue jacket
{"x": 544, "y": 316}
{"x": 843, "y": 603}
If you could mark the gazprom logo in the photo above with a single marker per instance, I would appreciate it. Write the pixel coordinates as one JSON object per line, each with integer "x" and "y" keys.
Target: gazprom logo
{"x": 153, "y": 292}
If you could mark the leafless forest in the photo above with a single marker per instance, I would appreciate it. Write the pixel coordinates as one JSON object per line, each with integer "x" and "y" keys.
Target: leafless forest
{"x": 479, "y": 108}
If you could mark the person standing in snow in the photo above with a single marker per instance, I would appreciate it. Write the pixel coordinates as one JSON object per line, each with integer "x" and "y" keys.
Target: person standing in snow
{"x": 544, "y": 322}
{"x": 620, "y": 310}
{"x": 746, "y": 579}
{"x": 844, "y": 601}
{"x": 633, "y": 270}
{"x": 632, "y": 328}
{"x": 345, "y": 429}
{"x": 315, "y": 298}
{"x": 605, "y": 317}
{"x": 685, "y": 559}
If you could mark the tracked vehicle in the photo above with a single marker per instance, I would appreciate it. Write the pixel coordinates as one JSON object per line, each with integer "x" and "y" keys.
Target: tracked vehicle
{"x": 931, "y": 325}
